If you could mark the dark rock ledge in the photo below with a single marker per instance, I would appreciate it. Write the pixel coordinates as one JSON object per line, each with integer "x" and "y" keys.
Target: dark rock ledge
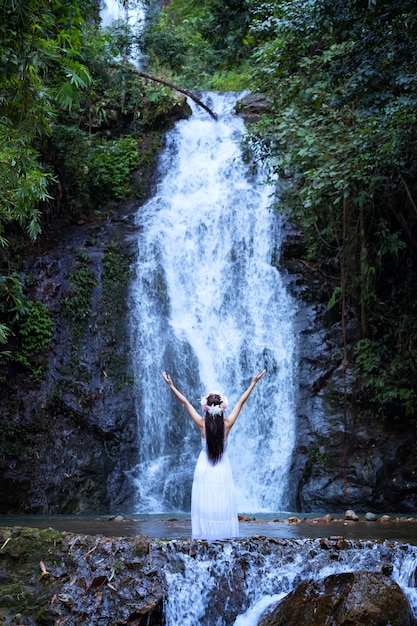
{"x": 49, "y": 577}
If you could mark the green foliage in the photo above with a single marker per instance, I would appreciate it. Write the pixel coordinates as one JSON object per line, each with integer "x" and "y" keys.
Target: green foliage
{"x": 13, "y": 306}
{"x": 341, "y": 135}
{"x": 41, "y": 73}
{"x": 61, "y": 100}
{"x": 111, "y": 167}
{"x": 117, "y": 106}
{"x": 13, "y": 302}
{"x": 225, "y": 27}
{"x": 68, "y": 92}
{"x": 76, "y": 307}
{"x": 24, "y": 182}
{"x": 71, "y": 155}
{"x": 163, "y": 47}
{"x": 387, "y": 382}
{"x": 233, "y": 80}
{"x": 27, "y": 328}
{"x": 316, "y": 456}
{"x": 199, "y": 41}
{"x": 34, "y": 334}
{"x": 16, "y": 436}
{"x": 116, "y": 272}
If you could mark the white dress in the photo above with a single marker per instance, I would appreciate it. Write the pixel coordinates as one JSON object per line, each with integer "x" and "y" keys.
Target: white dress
{"x": 213, "y": 498}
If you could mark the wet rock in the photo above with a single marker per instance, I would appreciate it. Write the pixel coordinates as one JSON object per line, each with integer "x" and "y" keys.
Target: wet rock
{"x": 76, "y": 429}
{"x": 99, "y": 580}
{"x": 354, "y": 599}
{"x": 339, "y": 461}
{"x": 253, "y": 106}
{"x": 351, "y": 515}
{"x": 149, "y": 615}
{"x": 325, "y": 544}
{"x": 371, "y": 517}
{"x": 339, "y": 543}
{"x": 387, "y": 569}
{"x": 326, "y": 519}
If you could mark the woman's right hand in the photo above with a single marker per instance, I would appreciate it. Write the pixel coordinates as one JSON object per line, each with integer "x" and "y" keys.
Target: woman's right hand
{"x": 258, "y": 376}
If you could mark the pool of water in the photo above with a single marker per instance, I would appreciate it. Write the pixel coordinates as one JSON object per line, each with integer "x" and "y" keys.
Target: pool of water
{"x": 178, "y": 526}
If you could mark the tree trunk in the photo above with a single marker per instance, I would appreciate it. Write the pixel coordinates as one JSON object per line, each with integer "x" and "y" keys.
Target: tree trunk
{"x": 343, "y": 282}
{"x": 157, "y": 79}
{"x": 364, "y": 271}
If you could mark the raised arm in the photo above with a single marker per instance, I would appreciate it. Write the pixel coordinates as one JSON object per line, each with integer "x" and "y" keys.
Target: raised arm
{"x": 230, "y": 420}
{"x": 199, "y": 421}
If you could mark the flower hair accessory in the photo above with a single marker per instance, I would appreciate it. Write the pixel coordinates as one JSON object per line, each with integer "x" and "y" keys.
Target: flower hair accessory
{"x": 214, "y": 409}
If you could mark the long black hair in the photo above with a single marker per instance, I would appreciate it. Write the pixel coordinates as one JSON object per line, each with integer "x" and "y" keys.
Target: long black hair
{"x": 214, "y": 426}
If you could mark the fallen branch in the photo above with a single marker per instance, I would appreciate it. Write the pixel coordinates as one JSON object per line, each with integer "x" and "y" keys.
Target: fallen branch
{"x": 157, "y": 79}
{"x": 5, "y": 543}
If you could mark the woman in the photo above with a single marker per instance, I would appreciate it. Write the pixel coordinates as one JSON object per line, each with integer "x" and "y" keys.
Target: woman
{"x": 213, "y": 501}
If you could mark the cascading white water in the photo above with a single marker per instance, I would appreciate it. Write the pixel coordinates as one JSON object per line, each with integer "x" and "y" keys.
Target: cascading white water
{"x": 210, "y": 308}
{"x": 112, "y": 10}
{"x": 234, "y": 583}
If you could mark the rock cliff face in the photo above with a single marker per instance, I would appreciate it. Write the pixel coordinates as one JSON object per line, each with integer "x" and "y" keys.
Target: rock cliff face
{"x": 71, "y": 438}
{"x": 341, "y": 459}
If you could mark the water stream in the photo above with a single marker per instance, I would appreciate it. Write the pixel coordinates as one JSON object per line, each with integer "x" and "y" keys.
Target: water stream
{"x": 210, "y": 307}
{"x": 235, "y": 583}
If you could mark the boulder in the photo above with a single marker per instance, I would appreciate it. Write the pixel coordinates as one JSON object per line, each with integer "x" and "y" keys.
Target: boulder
{"x": 351, "y": 515}
{"x": 354, "y": 599}
{"x": 253, "y": 106}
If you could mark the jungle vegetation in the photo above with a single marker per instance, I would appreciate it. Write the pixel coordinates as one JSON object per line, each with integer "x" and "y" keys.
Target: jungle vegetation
{"x": 341, "y": 80}
{"x": 73, "y": 127}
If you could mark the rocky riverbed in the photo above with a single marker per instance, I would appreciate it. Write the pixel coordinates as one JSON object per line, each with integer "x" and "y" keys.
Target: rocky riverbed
{"x": 172, "y": 527}
{"x": 52, "y": 577}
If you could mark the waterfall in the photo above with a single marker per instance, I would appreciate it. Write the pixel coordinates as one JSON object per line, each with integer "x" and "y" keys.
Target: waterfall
{"x": 111, "y": 11}
{"x": 132, "y": 14}
{"x": 234, "y": 583}
{"x": 210, "y": 307}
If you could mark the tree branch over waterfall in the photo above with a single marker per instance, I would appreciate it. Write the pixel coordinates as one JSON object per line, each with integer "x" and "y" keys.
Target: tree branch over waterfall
{"x": 158, "y": 79}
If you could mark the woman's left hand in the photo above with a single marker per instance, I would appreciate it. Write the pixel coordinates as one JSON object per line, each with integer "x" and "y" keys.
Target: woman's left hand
{"x": 167, "y": 379}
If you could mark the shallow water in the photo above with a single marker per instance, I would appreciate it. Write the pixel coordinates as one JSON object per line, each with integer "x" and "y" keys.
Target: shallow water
{"x": 179, "y": 527}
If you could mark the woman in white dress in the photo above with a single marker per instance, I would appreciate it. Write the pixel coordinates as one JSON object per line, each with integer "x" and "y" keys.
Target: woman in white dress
{"x": 213, "y": 500}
